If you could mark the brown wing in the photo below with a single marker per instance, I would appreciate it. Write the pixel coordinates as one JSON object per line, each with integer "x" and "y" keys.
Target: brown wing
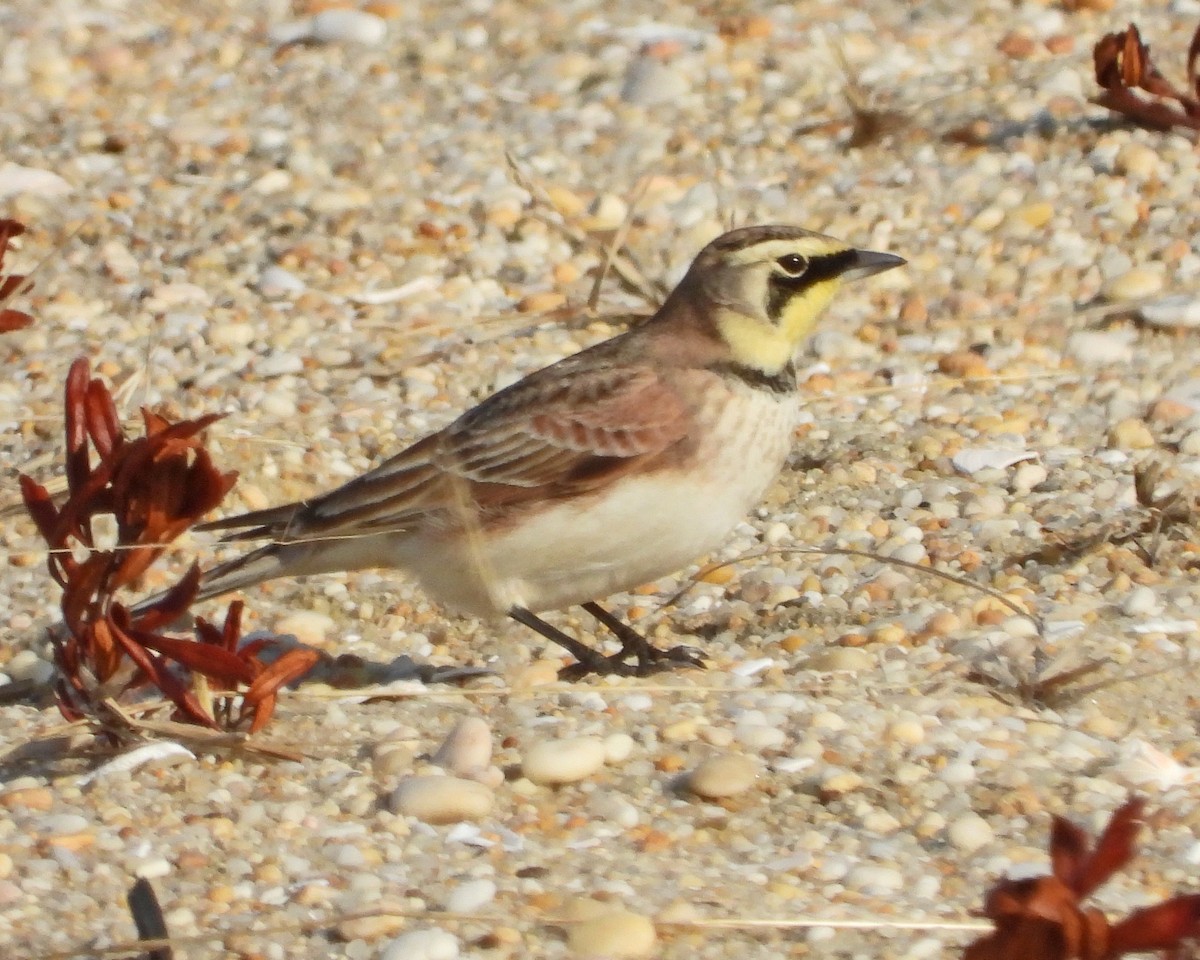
{"x": 558, "y": 432}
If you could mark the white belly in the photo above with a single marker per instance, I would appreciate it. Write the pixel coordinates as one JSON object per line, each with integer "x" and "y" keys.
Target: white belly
{"x": 640, "y": 529}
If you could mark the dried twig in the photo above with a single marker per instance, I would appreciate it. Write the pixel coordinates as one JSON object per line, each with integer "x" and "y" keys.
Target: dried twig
{"x": 1123, "y": 65}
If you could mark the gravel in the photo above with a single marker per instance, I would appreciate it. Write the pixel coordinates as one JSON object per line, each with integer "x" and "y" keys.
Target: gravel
{"x": 316, "y": 234}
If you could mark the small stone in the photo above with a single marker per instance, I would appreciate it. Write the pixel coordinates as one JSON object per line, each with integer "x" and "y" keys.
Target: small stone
{"x": 615, "y": 934}
{"x": 1016, "y": 45}
{"x": 437, "y": 800}
{"x": 607, "y": 212}
{"x": 28, "y": 798}
{"x": 964, "y": 363}
{"x": 909, "y": 731}
{"x": 1036, "y": 215}
{"x": 62, "y": 823}
{"x": 1173, "y": 312}
{"x": 1138, "y": 160}
{"x": 971, "y": 460}
{"x": 840, "y": 782}
{"x": 876, "y": 880}
{"x": 391, "y": 758}
{"x": 468, "y": 748}
{"x": 370, "y": 928}
{"x": 563, "y": 761}
{"x": 1027, "y": 476}
{"x": 1169, "y": 410}
{"x": 471, "y": 896}
{"x": 841, "y": 660}
{"x": 1096, "y": 347}
{"x": 1130, "y": 434}
{"x": 617, "y": 747}
{"x": 277, "y": 282}
{"x": 970, "y": 832}
{"x": 343, "y": 25}
{"x": 722, "y": 775}
{"x": 422, "y": 945}
{"x": 307, "y": 626}
{"x": 27, "y": 665}
{"x": 1139, "y": 602}
{"x": 543, "y": 302}
{"x": 1135, "y": 284}
{"x": 16, "y": 180}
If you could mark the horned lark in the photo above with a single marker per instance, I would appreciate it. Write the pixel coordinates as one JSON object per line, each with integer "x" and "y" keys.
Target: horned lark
{"x": 603, "y": 471}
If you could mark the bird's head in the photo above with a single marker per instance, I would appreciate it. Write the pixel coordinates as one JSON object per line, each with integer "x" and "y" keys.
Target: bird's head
{"x": 765, "y": 287}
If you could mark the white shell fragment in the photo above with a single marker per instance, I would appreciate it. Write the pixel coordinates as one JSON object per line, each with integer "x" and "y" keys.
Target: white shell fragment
{"x": 973, "y": 459}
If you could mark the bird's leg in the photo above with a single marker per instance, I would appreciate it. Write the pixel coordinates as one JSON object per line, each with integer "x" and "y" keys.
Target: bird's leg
{"x": 588, "y": 660}
{"x": 650, "y": 659}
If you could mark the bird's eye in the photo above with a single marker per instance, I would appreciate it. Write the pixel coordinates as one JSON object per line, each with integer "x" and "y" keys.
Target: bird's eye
{"x": 793, "y": 264}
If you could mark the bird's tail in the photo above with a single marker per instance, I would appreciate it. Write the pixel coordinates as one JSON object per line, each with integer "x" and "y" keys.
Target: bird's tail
{"x": 257, "y": 566}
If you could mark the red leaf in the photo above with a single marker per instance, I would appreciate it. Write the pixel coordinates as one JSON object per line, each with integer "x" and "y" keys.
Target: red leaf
{"x": 171, "y": 605}
{"x": 1114, "y": 849}
{"x": 103, "y": 422}
{"x": 1160, "y": 927}
{"x": 170, "y": 685}
{"x": 13, "y": 320}
{"x": 221, "y": 665}
{"x": 78, "y": 464}
{"x": 261, "y": 695}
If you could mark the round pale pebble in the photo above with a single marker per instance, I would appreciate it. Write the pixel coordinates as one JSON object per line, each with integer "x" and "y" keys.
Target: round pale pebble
{"x": 970, "y": 832}
{"x": 355, "y": 26}
{"x": 617, "y": 934}
{"x": 471, "y": 895}
{"x": 617, "y": 747}
{"x": 563, "y": 761}
{"x": 1133, "y": 285}
{"x": 422, "y": 945}
{"x": 467, "y": 749}
{"x": 722, "y": 775}
{"x": 307, "y": 626}
{"x": 437, "y": 800}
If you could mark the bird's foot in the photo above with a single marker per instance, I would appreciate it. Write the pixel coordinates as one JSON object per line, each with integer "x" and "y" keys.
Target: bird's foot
{"x": 646, "y": 661}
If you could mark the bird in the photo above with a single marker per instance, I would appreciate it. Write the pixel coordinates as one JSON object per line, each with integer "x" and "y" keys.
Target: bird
{"x": 611, "y": 468}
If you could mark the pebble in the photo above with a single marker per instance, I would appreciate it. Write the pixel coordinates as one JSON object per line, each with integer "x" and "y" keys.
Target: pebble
{"x": 16, "y": 180}
{"x": 615, "y": 934}
{"x": 1131, "y": 434}
{"x": 722, "y": 775}
{"x": 973, "y": 459}
{"x": 841, "y": 659}
{"x": 390, "y": 758}
{"x": 27, "y": 665}
{"x": 333, "y": 26}
{"x": 1140, "y": 602}
{"x": 1135, "y": 284}
{"x": 307, "y": 626}
{"x": 1176, "y": 311}
{"x": 563, "y": 761}
{"x": 438, "y": 800}
{"x": 471, "y": 896}
{"x": 969, "y": 832}
{"x": 371, "y": 928}
{"x": 1097, "y": 347}
{"x": 617, "y": 748}
{"x": 278, "y": 282}
{"x": 467, "y": 750}
{"x": 422, "y": 945}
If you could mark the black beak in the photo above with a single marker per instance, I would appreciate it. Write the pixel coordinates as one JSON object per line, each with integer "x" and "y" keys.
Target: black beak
{"x": 867, "y": 263}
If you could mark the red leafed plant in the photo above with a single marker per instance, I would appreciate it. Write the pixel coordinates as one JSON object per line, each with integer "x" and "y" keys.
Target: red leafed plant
{"x": 1042, "y": 918}
{"x": 153, "y": 488}
{"x": 1123, "y": 65}
{"x": 11, "y": 284}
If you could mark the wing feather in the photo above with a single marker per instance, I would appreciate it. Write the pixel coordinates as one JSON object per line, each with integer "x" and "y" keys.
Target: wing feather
{"x": 558, "y": 432}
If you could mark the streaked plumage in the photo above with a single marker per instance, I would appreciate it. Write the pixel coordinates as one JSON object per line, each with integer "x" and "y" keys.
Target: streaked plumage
{"x": 605, "y": 470}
